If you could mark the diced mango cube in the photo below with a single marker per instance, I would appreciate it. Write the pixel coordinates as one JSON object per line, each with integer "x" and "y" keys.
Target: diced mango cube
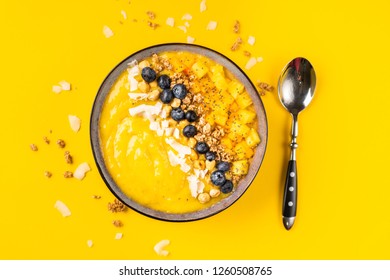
{"x": 199, "y": 69}
{"x": 234, "y": 107}
{"x": 217, "y": 69}
{"x": 235, "y": 88}
{"x": 177, "y": 65}
{"x": 243, "y": 151}
{"x": 246, "y": 116}
{"x": 221, "y": 119}
{"x": 227, "y": 98}
{"x": 219, "y": 81}
{"x": 240, "y": 167}
{"x": 210, "y": 119}
{"x": 253, "y": 139}
{"x": 239, "y": 128}
{"x": 227, "y": 142}
{"x": 186, "y": 58}
{"x": 244, "y": 100}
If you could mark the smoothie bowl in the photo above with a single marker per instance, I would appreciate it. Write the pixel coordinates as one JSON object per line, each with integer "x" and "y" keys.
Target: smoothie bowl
{"x": 178, "y": 132}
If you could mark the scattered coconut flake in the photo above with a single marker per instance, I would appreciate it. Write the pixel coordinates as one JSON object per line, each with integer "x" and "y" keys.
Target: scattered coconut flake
{"x": 62, "y": 208}
{"x": 169, "y": 131}
{"x": 138, "y": 96}
{"x": 65, "y": 85}
{"x": 179, "y": 148}
{"x": 74, "y": 122}
{"x": 203, "y": 6}
{"x": 170, "y": 21}
{"x": 251, "y": 62}
{"x": 200, "y": 173}
{"x": 212, "y": 25}
{"x": 160, "y": 132}
{"x": 185, "y": 167}
{"x": 186, "y": 17}
{"x": 183, "y": 28}
{"x": 164, "y": 124}
{"x": 176, "y": 133}
{"x": 259, "y": 59}
{"x": 56, "y": 89}
{"x": 81, "y": 170}
{"x": 118, "y": 236}
{"x": 196, "y": 186}
{"x": 133, "y": 63}
{"x": 251, "y": 40}
{"x": 154, "y": 126}
{"x": 159, "y": 248}
{"x": 187, "y": 24}
{"x": 89, "y": 243}
{"x": 133, "y": 71}
{"x": 190, "y": 39}
{"x": 107, "y": 31}
{"x": 124, "y": 14}
{"x": 146, "y": 109}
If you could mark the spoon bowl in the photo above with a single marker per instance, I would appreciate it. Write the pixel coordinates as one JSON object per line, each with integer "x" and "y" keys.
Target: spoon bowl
{"x": 296, "y": 88}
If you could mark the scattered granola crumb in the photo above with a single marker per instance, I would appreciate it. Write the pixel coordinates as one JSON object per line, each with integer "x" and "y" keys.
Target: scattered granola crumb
{"x": 50, "y": 131}
{"x": 68, "y": 174}
{"x": 46, "y": 140}
{"x": 33, "y": 147}
{"x": 246, "y": 53}
{"x": 96, "y": 196}
{"x": 151, "y": 15}
{"x": 264, "y": 87}
{"x": 236, "y": 27}
{"x": 116, "y": 206}
{"x": 61, "y": 143}
{"x": 117, "y": 223}
{"x": 68, "y": 157}
{"x": 48, "y": 174}
{"x": 236, "y": 44}
{"x": 153, "y": 25}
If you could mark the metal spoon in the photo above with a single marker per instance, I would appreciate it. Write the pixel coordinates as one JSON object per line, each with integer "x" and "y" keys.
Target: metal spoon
{"x": 296, "y": 87}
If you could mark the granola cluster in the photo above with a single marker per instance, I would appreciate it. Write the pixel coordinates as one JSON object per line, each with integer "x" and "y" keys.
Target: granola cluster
{"x": 116, "y": 206}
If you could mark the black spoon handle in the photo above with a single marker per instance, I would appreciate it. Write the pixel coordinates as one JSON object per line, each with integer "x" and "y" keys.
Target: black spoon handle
{"x": 290, "y": 195}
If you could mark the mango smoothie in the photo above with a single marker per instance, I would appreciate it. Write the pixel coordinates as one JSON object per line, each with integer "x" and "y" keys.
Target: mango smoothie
{"x": 178, "y": 132}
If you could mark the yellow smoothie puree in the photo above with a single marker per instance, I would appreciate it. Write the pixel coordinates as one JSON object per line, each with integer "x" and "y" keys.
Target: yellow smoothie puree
{"x": 142, "y": 159}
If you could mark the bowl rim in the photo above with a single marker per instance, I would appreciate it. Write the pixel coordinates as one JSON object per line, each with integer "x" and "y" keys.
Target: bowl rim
{"x": 95, "y": 140}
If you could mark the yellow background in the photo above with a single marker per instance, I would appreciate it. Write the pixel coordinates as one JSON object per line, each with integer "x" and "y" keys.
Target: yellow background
{"x": 343, "y": 154}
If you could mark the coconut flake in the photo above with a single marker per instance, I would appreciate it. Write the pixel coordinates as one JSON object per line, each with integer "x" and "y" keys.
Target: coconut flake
{"x": 164, "y": 124}
{"x": 107, "y": 31}
{"x": 176, "y": 133}
{"x": 138, "y": 96}
{"x": 133, "y": 71}
{"x": 183, "y": 28}
{"x": 179, "y": 148}
{"x": 154, "y": 126}
{"x": 81, "y": 170}
{"x": 62, "y": 208}
{"x": 89, "y": 243}
{"x": 251, "y": 40}
{"x": 259, "y": 59}
{"x": 251, "y": 62}
{"x": 146, "y": 110}
{"x": 124, "y": 14}
{"x": 74, "y": 122}
{"x": 185, "y": 167}
{"x": 187, "y": 24}
{"x": 212, "y": 25}
{"x": 170, "y": 21}
{"x": 57, "y": 89}
{"x": 196, "y": 186}
{"x": 159, "y": 248}
{"x": 186, "y": 17}
{"x": 65, "y": 85}
{"x": 203, "y": 6}
{"x": 190, "y": 39}
{"x": 118, "y": 235}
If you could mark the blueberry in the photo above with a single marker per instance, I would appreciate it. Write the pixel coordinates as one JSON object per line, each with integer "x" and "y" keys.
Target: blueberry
{"x": 210, "y": 156}
{"x": 148, "y": 74}
{"x": 189, "y": 131}
{"x": 218, "y": 178}
{"x": 166, "y": 96}
{"x": 223, "y": 166}
{"x": 179, "y": 91}
{"x": 227, "y": 187}
{"x": 202, "y": 147}
{"x": 164, "y": 81}
{"x": 191, "y": 116}
{"x": 177, "y": 114}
